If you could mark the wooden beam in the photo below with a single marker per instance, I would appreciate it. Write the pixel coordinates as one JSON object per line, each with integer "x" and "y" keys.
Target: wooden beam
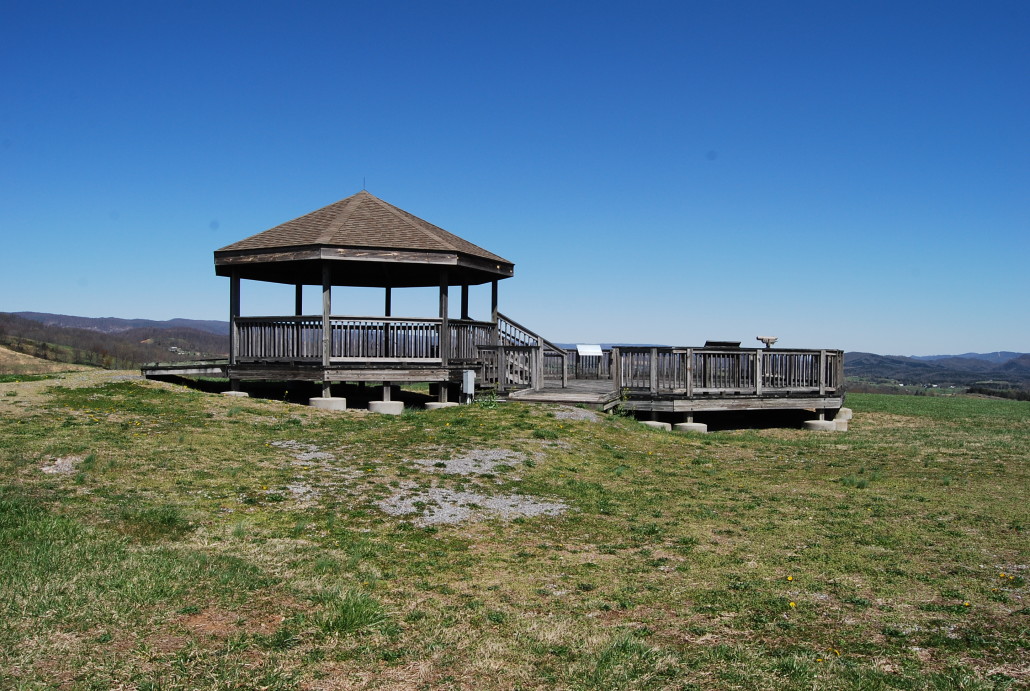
{"x": 445, "y": 327}
{"x": 388, "y": 308}
{"x": 327, "y": 308}
{"x": 493, "y": 301}
{"x": 464, "y": 301}
{"x": 234, "y": 311}
{"x": 298, "y": 300}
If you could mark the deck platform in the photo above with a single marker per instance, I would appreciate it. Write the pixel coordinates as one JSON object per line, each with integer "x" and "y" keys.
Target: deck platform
{"x": 597, "y": 394}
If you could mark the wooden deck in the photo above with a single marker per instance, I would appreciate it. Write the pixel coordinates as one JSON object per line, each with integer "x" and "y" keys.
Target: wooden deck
{"x": 598, "y": 394}
{"x": 515, "y": 362}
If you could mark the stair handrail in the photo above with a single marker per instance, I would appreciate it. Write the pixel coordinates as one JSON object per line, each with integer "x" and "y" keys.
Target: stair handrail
{"x": 540, "y": 339}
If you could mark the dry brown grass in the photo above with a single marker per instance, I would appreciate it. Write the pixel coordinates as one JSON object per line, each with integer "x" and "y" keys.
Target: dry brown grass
{"x": 13, "y": 362}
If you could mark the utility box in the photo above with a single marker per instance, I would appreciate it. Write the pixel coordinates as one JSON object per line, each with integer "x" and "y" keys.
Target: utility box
{"x": 468, "y": 385}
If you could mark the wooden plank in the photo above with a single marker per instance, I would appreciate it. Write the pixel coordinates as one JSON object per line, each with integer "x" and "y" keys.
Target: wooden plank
{"x": 681, "y": 405}
{"x": 394, "y": 375}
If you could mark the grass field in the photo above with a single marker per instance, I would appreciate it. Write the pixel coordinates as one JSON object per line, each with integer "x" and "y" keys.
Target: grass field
{"x": 13, "y": 363}
{"x": 153, "y": 537}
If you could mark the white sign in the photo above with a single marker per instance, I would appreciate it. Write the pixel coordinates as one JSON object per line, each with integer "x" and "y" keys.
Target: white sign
{"x": 589, "y": 350}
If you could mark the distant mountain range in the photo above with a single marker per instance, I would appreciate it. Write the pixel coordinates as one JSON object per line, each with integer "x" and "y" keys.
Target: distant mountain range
{"x": 942, "y": 370}
{"x": 110, "y": 325}
{"x": 109, "y": 342}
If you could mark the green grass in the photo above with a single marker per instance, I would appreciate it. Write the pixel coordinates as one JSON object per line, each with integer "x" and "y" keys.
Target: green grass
{"x": 189, "y": 543}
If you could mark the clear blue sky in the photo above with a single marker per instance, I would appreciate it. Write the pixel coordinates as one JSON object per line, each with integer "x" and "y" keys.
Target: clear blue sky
{"x": 839, "y": 174}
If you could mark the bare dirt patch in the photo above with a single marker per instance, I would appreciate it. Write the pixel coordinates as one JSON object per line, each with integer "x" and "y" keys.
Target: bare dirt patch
{"x": 61, "y": 466}
{"x": 438, "y": 505}
{"x": 477, "y": 461}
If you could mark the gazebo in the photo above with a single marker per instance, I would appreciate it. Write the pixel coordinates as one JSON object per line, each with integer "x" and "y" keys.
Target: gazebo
{"x": 364, "y": 241}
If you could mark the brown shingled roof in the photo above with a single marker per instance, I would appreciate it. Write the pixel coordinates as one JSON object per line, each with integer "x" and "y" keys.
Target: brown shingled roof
{"x": 362, "y": 220}
{"x": 362, "y": 241}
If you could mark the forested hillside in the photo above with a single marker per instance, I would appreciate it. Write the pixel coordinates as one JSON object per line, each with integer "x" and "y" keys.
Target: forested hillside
{"x": 123, "y": 349}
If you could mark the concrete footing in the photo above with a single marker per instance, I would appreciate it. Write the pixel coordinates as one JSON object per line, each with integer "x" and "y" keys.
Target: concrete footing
{"x": 843, "y": 414}
{"x": 657, "y": 425}
{"x": 821, "y": 425}
{"x": 436, "y": 405}
{"x": 699, "y": 427}
{"x": 386, "y": 407}
{"x": 328, "y": 403}
{"x": 840, "y": 425}
{"x": 236, "y": 394}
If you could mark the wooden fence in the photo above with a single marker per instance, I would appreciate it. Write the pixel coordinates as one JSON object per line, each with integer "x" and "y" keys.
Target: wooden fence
{"x": 690, "y": 371}
{"x": 507, "y": 354}
{"x": 357, "y": 339}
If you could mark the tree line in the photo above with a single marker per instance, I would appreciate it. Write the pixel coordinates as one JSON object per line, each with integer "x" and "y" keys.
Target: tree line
{"x": 122, "y": 350}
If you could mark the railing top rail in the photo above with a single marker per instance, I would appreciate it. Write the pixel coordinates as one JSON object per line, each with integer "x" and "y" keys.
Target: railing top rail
{"x": 532, "y": 333}
{"x": 338, "y": 318}
{"x": 515, "y": 348}
{"x": 702, "y": 349}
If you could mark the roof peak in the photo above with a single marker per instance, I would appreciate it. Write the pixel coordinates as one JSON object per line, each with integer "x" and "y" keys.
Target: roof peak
{"x": 362, "y": 220}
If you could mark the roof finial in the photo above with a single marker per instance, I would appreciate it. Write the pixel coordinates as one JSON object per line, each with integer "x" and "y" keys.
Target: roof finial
{"x": 363, "y": 188}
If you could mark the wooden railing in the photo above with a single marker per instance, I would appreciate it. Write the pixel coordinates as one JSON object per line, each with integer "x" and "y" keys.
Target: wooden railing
{"x": 580, "y": 366}
{"x": 550, "y": 360}
{"x": 358, "y": 339}
{"x": 511, "y": 367}
{"x": 690, "y": 371}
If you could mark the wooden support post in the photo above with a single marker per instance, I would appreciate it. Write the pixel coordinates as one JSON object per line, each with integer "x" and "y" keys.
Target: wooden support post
{"x": 445, "y": 327}
{"x": 387, "y": 311}
{"x": 690, "y": 374}
{"x": 822, "y": 375}
{"x": 465, "y": 302}
{"x": 654, "y": 371}
{"x": 617, "y": 369}
{"x": 758, "y": 372}
{"x": 386, "y": 390}
{"x": 441, "y": 392}
{"x": 326, "y": 309}
{"x": 538, "y": 368}
{"x": 234, "y": 311}
{"x": 502, "y": 369}
{"x": 326, "y": 389}
{"x": 298, "y": 309}
{"x": 493, "y": 312}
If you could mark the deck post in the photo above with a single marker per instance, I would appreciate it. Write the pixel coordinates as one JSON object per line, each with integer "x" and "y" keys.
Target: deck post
{"x": 690, "y": 374}
{"x": 617, "y": 369}
{"x": 653, "y": 384}
{"x": 388, "y": 307}
{"x": 386, "y": 391}
{"x": 234, "y": 311}
{"x": 326, "y": 309}
{"x": 822, "y": 374}
{"x": 298, "y": 310}
{"x": 493, "y": 312}
{"x": 502, "y": 369}
{"x": 445, "y": 330}
{"x": 758, "y": 372}
{"x": 538, "y": 368}
{"x": 464, "y": 301}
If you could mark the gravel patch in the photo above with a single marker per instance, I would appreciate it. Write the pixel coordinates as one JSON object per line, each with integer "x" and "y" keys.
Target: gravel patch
{"x": 473, "y": 462}
{"x": 570, "y": 413}
{"x": 61, "y": 466}
{"x": 303, "y": 493}
{"x": 304, "y": 452}
{"x": 438, "y": 505}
